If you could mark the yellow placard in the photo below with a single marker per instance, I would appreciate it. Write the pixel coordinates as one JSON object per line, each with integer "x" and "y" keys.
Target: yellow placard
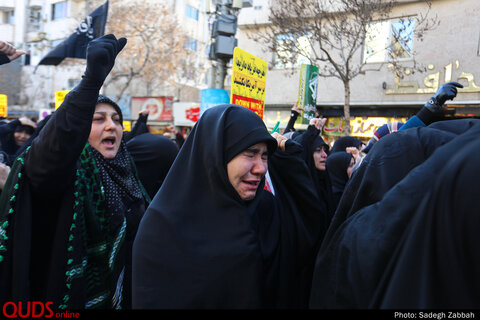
{"x": 3, "y": 105}
{"x": 127, "y": 126}
{"x": 249, "y": 80}
{"x": 59, "y": 97}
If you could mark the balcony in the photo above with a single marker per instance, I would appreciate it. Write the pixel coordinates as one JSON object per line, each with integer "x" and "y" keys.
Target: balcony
{"x": 36, "y": 3}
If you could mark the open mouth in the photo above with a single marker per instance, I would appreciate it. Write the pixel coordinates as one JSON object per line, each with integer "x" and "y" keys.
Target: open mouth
{"x": 252, "y": 184}
{"x": 109, "y": 142}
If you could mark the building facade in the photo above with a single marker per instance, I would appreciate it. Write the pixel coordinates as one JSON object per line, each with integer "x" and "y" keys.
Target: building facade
{"x": 36, "y": 26}
{"x": 450, "y": 52}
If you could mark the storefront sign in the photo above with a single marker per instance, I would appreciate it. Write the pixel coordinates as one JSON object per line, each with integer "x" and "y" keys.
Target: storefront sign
{"x": 185, "y": 114}
{"x": 360, "y": 126}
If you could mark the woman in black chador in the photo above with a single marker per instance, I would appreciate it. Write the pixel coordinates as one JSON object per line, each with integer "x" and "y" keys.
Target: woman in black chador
{"x": 74, "y": 202}
{"x": 408, "y": 238}
{"x": 213, "y": 238}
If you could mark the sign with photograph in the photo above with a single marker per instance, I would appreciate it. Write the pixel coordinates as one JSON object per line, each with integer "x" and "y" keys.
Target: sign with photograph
{"x": 160, "y": 107}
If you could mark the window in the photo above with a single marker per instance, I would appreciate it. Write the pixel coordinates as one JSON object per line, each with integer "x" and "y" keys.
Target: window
{"x": 191, "y": 44}
{"x": 8, "y": 17}
{"x": 34, "y": 19}
{"x": 191, "y": 12}
{"x": 59, "y": 10}
{"x": 388, "y": 40}
{"x": 284, "y": 57}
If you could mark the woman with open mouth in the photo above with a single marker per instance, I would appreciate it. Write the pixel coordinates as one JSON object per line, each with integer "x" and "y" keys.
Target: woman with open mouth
{"x": 74, "y": 202}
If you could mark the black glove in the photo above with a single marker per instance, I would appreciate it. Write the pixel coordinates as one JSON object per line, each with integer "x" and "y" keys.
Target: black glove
{"x": 448, "y": 91}
{"x": 101, "y": 54}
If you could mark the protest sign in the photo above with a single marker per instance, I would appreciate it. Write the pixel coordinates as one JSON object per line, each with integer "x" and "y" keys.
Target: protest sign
{"x": 307, "y": 93}
{"x": 249, "y": 80}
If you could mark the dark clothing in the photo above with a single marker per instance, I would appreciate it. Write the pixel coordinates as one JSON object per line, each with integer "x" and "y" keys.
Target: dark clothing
{"x": 310, "y": 140}
{"x": 7, "y": 142}
{"x": 436, "y": 261}
{"x": 4, "y": 59}
{"x": 28, "y": 143}
{"x": 385, "y": 165}
{"x": 298, "y": 205}
{"x": 66, "y": 241}
{"x": 153, "y": 156}
{"x": 359, "y": 263}
{"x": 342, "y": 143}
{"x": 337, "y": 165}
{"x": 200, "y": 246}
{"x": 139, "y": 128}
{"x": 291, "y": 122}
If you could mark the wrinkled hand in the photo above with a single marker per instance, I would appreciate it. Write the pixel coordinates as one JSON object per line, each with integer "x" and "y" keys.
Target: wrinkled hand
{"x": 318, "y": 123}
{"x": 448, "y": 91}
{"x": 10, "y": 51}
{"x": 144, "y": 112}
{"x": 296, "y": 108}
{"x": 27, "y": 122}
{"x": 101, "y": 54}
{"x": 281, "y": 140}
{"x": 354, "y": 151}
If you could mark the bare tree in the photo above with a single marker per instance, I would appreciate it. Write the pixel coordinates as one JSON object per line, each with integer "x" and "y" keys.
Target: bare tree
{"x": 334, "y": 34}
{"x": 155, "y": 45}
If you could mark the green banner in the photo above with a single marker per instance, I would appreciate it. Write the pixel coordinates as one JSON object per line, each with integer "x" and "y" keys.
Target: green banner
{"x": 307, "y": 93}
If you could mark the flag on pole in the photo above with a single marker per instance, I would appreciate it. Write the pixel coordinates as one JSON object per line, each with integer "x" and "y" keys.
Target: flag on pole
{"x": 75, "y": 46}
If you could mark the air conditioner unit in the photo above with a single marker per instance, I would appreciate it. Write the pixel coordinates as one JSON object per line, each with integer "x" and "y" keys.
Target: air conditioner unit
{"x": 239, "y": 4}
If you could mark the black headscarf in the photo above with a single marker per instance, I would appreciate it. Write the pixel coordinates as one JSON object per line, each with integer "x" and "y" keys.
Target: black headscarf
{"x": 337, "y": 165}
{"x": 342, "y": 143}
{"x": 355, "y": 264}
{"x": 153, "y": 155}
{"x": 196, "y": 246}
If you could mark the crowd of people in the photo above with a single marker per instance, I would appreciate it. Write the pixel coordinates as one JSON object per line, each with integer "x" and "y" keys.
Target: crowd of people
{"x": 235, "y": 217}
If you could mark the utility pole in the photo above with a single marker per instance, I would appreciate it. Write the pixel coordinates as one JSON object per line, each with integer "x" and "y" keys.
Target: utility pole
{"x": 223, "y": 38}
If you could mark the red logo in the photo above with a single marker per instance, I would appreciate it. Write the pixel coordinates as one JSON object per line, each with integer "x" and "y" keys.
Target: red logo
{"x": 193, "y": 114}
{"x": 29, "y": 309}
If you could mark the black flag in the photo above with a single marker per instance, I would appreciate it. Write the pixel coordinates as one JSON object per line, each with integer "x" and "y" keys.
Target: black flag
{"x": 75, "y": 46}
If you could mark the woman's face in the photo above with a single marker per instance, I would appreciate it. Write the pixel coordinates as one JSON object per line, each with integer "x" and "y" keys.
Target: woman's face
{"x": 20, "y": 137}
{"x": 106, "y": 132}
{"x": 350, "y": 167}
{"x": 320, "y": 158}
